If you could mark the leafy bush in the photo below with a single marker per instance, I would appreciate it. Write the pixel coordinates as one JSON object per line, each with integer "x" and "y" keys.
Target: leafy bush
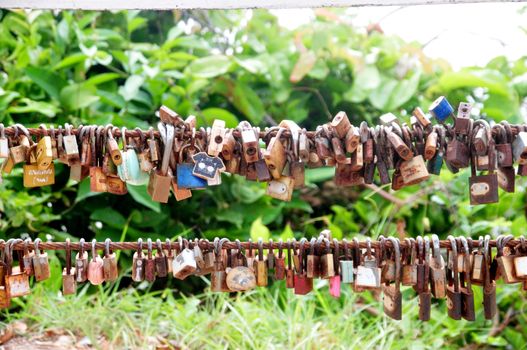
{"x": 102, "y": 67}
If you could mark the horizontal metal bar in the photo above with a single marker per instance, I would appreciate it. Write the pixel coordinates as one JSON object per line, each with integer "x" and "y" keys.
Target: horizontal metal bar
{"x": 214, "y": 4}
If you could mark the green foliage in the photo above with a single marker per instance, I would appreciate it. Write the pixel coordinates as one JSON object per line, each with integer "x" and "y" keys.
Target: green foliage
{"x": 102, "y": 67}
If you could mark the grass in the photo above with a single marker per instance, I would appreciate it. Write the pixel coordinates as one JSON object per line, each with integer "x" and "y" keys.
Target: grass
{"x": 266, "y": 318}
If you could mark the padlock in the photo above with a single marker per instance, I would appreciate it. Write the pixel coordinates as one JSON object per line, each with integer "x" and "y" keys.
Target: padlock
{"x": 95, "y": 266}
{"x": 129, "y": 170}
{"x": 327, "y": 266}
{"x": 149, "y": 263}
{"x": 441, "y": 109}
{"x": 392, "y": 301}
{"x": 341, "y": 124}
{"x": 279, "y": 268}
{"x": 453, "y": 294}
{"x": 71, "y": 148}
{"x": 44, "y": 152}
{"x": 81, "y": 263}
{"x": 409, "y": 271}
{"x": 467, "y": 295}
{"x": 398, "y": 144}
{"x": 302, "y": 284}
{"x": 184, "y": 263}
{"x": 322, "y": 147}
{"x": 352, "y": 140}
{"x": 313, "y": 261}
{"x": 69, "y": 285}
{"x": 113, "y": 147}
{"x": 414, "y": 170}
{"x": 260, "y": 267}
{"x": 40, "y": 263}
{"x": 425, "y": 297}
{"x": 345, "y": 176}
{"x": 421, "y": 266}
{"x": 16, "y": 281}
{"x": 160, "y": 260}
{"x": 275, "y": 156}
{"x": 206, "y": 167}
{"x": 437, "y": 270}
{"x": 519, "y": 148}
{"x": 477, "y": 266}
{"x": 250, "y": 147}
{"x": 484, "y": 188}
{"x": 388, "y": 119}
{"x": 281, "y": 188}
{"x": 138, "y": 263}
{"x": 369, "y": 273}
{"x": 346, "y": 265}
{"x": 506, "y": 179}
{"x": 289, "y": 272}
{"x": 27, "y": 258}
{"x": 388, "y": 262}
{"x": 110, "y": 269}
{"x": 218, "y": 282}
{"x": 160, "y": 179}
{"x": 489, "y": 286}
{"x": 504, "y": 147}
{"x": 35, "y": 177}
{"x": 431, "y": 146}
{"x": 338, "y": 150}
{"x": 480, "y": 141}
{"x": 505, "y": 263}
{"x": 115, "y": 185}
{"x": 457, "y": 154}
{"x": 462, "y": 120}
{"x": 240, "y": 279}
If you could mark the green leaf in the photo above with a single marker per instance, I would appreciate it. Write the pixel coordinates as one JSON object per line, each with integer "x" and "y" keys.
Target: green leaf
{"x": 109, "y": 216}
{"x": 259, "y": 230}
{"x": 392, "y": 93}
{"x": 77, "y": 96}
{"x": 70, "y": 61}
{"x": 131, "y": 87}
{"x": 141, "y": 196}
{"x": 49, "y": 81}
{"x": 248, "y": 102}
{"x": 366, "y": 80}
{"x": 287, "y": 233}
{"x": 218, "y": 113}
{"x": 29, "y": 106}
{"x": 102, "y": 78}
{"x": 493, "y": 80}
{"x": 210, "y": 67}
{"x": 319, "y": 174}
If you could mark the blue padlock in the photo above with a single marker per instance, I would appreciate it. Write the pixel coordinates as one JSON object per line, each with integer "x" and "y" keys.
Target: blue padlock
{"x": 185, "y": 178}
{"x": 441, "y": 109}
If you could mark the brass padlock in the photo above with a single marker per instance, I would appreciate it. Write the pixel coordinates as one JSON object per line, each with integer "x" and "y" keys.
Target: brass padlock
{"x": 352, "y": 140}
{"x": 260, "y": 267}
{"x": 138, "y": 263}
{"x": 44, "y": 152}
{"x": 392, "y": 294}
{"x": 478, "y": 269}
{"x": 95, "y": 266}
{"x": 40, "y": 263}
{"x": 275, "y": 155}
{"x": 69, "y": 285}
{"x": 111, "y": 272}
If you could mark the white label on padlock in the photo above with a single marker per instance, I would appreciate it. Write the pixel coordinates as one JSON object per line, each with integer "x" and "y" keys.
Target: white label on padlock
{"x": 277, "y": 187}
{"x": 479, "y": 189}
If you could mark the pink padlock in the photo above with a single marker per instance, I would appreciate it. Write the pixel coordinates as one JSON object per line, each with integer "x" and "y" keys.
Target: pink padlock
{"x": 334, "y": 286}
